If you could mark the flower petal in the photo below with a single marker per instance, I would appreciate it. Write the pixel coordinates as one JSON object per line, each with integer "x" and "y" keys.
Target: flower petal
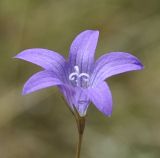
{"x": 82, "y": 50}
{"x": 42, "y": 79}
{"x": 76, "y": 97}
{"x": 114, "y": 63}
{"x": 45, "y": 58}
{"x": 101, "y": 97}
{"x": 68, "y": 93}
{"x": 81, "y": 100}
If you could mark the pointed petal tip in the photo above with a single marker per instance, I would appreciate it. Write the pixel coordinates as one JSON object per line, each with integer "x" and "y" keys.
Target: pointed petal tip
{"x": 139, "y": 63}
{"x": 106, "y": 112}
{"x": 108, "y": 115}
{"x": 141, "y": 66}
{"x": 18, "y": 56}
{"x": 15, "y": 57}
{"x": 96, "y": 32}
{"x": 24, "y": 91}
{"x": 92, "y": 30}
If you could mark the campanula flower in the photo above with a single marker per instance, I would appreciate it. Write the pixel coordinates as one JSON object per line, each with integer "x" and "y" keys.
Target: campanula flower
{"x": 80, "y": 78}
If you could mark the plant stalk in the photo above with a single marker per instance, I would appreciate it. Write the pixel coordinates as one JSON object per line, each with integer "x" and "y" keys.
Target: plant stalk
{"x": 80, "y": 120}
{"x": 81, "y": 125}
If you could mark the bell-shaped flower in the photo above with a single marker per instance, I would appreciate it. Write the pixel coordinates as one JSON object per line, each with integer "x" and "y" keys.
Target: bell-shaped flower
{"x": 80, "y": 79}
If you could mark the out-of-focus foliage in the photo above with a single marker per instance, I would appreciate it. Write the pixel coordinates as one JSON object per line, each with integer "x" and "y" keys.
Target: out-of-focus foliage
{"x": 39, "y": 125}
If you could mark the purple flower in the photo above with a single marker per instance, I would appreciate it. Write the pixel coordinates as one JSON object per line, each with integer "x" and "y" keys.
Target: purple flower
{"x": 80, "y": 78}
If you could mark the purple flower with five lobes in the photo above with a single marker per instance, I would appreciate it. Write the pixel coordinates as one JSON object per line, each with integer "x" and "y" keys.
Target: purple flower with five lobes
{"x": 80, "y": 79}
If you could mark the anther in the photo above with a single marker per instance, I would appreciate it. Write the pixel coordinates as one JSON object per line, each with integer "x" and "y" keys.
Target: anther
{"x": 79, "y": 79}
{"x": 84, "y": 76}
{"x": 73, "y": 76}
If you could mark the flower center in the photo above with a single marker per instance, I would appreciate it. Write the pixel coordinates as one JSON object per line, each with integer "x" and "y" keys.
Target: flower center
{"x": 79, "y": 79}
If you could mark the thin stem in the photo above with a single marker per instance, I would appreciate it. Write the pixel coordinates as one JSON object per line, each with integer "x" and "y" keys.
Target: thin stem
{"x": 81, "y": 125}
{"x": 79, "y": 146}
{"x": 80, "y": 120}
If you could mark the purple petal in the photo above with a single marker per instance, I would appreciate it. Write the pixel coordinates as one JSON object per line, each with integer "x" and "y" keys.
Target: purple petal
{"x": 77, "y": 97}
{"x": 81, "y": 100}
{"x": 68, "y": 93}
{"x": 114, "y": 63}
{"x": 82, "y": 50}
{"x": 101, "y": 97}
{"x": 47, "y": 59}
{"x": 42, "y": 79}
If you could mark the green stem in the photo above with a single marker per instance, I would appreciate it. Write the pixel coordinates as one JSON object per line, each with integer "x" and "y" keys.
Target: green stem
{"x": 81, "y": 125}
{"x": 80, "y": 120}
{"x": 79, "y": 146}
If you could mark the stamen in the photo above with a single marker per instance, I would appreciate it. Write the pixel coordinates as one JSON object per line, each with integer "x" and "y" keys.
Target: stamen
{"x": 84, "y": 76}
{"x": 73, "y": 76}
{"x": 76, "y": 68}
{"x": 79, "y": 79}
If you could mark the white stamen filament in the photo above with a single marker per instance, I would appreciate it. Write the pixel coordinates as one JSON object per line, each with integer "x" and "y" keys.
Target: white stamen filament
{"x": 76, "y": 68}
{"x": 77, "y": 77}
{"x": 73, "y": 76}
{"x": 84, "y": 76}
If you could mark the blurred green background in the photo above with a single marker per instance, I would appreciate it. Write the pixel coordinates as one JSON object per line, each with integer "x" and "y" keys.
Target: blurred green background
{"x": 39, "y": 125}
